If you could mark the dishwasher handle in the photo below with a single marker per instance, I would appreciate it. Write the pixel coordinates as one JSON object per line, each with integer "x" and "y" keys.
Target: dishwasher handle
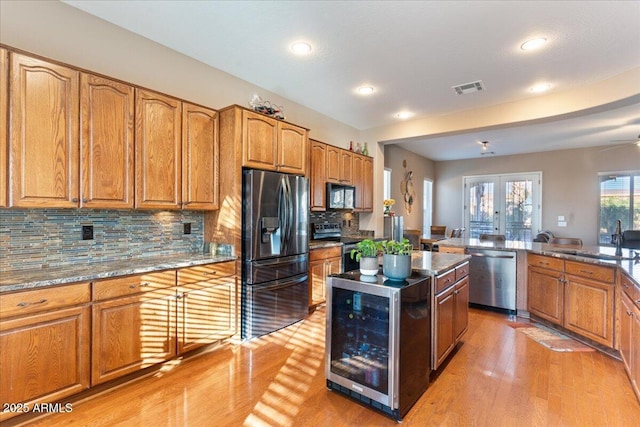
{"x": 479, "y": 254}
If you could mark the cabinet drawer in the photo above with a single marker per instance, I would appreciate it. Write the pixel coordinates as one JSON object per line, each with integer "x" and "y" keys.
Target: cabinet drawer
{"x": 324, "y": 253}
{"x": 629, "y": 288}
{"x": 445, "y": 280}
{"x": 462, "y": 271}
{"x": 591, "y": 271}
{"x": 207, "y": 272}
{"x": 33, "y": 301}
{"x": 546, "y": 262}
{"x": 131, "y": 285}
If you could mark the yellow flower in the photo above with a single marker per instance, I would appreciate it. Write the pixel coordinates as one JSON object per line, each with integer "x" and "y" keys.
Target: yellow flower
{"x": 389, "y": 202}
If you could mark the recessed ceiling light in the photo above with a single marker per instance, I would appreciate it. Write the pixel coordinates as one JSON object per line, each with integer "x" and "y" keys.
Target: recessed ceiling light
{"x": 365, "y": 90}
{"x": 540, "y": 87}
{"x": 301, "y": 48}
{"x": 533, "y": 44}
{"x": 403, "y": 115}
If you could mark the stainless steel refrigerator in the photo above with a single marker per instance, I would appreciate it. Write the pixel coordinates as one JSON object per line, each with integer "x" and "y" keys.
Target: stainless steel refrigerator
{"x": 275, "y": 251}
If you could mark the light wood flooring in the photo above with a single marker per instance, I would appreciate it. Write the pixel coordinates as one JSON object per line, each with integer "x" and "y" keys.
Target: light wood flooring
{"x": 498, "y": 377}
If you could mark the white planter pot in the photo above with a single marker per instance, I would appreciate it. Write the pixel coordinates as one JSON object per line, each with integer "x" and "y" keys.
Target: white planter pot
{"x": 396, "y": 267}
{"x": 369, "y": 266}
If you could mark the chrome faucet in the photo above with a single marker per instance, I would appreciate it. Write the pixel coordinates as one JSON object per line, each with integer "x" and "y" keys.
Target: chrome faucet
{"x": 617, "y": 238}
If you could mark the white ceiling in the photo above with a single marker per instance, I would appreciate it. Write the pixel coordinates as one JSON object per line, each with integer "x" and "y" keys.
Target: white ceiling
{"x": 412, "y": 52}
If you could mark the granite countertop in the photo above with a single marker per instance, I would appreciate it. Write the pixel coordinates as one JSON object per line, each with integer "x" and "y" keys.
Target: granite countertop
{"x": 18, "y": 280}
{"x": 602, "y": 255}
{"x": 427, "y": 263}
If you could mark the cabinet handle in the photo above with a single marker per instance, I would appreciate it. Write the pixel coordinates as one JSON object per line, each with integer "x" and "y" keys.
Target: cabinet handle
{"x": 180, "y": 296}
{"x": 586, "y": 272}
{"x": 142, "y": 285}
{"x": 27, "y": 304}
{"x": 211, "y": 273}
{"x": 624, "y": 285}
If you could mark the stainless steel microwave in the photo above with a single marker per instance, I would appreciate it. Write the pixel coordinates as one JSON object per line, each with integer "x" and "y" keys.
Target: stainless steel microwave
{"x": 340, "y": 196}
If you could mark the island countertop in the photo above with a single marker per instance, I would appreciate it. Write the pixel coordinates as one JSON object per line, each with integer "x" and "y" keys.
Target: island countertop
{"x": 427, "y": 263}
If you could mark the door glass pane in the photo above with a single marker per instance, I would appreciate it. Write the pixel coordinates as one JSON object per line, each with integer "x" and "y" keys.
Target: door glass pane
{"x": 518, "y": 210}
{"x": 614, "y": 204}
{"x": 636, "y": 203}
{"x": 481, "y": 200}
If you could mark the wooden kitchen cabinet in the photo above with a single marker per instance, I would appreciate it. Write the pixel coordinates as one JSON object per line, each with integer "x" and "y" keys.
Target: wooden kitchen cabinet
{"x": 107, "y": 143}
{"x": 4, "y": 129}
{"x": 323, "y": 262}
{"x": 134, "y": 324}
{"x": 48, "y": 334}
{"x": 346, "y": 167}
{"x": 318, "y": 176}
{"x": 200, "y": 158}
{"x": 271, "y": 144}
{"x": 339, "y": 165}
{"x": 575, "y": 295}
{"x": 363, "y": 181}
{"x": 207, "y": 305}
{"x": 158, "y": 151}
{"x": 44, "y": 142}
{"x": 629, "y": 339}
{"x": 450, "y": 314}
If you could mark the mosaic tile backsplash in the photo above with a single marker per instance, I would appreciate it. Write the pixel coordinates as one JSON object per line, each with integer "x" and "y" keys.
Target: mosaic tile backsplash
{"x": 40, "y": 238}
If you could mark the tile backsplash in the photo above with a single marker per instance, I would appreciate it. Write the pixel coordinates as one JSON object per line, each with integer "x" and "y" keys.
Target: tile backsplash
{"x": 40, "y": 238}
{"x": 350, "y": 220}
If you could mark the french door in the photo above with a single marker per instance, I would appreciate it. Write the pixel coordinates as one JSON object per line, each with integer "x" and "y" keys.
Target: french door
{"x": 503, "y": 204}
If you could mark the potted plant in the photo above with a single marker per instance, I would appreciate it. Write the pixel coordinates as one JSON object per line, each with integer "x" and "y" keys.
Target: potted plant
{"x": 396, "y": 259}
{"x": 366, "y": 253}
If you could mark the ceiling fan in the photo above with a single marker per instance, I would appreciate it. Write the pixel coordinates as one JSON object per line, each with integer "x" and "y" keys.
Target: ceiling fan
{"x": 619, "y": 143}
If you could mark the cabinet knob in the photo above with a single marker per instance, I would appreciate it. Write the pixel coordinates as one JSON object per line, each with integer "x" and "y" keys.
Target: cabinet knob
{"x": 74, "y": 200}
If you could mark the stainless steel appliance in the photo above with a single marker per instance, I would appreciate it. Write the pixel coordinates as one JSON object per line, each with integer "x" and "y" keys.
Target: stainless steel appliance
{"x": 393, "y": 227}
{"x": 340, "y": 196}
{"x": 378, "y": 340}
{"x": 332, "y": 232}
{"x": 275, "y": 251}
{"x": 492, "y": 279}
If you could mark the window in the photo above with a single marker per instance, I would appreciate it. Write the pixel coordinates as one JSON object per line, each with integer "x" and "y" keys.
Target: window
{"x": 387, "y": 184}
{"x": 619, "y": 200}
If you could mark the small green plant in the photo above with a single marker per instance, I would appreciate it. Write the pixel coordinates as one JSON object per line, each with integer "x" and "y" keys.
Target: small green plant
{"x": 365, "y": 248}
{"x": 393, "y": 247}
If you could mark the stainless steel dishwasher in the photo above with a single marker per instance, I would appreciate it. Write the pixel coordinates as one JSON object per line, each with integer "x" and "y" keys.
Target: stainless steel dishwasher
{"x": 492, "y": 279}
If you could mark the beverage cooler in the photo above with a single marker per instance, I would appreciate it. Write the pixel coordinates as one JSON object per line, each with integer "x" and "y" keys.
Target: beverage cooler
{"x": 378, "y": 345}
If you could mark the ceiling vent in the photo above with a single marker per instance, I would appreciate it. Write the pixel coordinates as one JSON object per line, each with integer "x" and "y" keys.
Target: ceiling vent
{"x": 466, "y": 88}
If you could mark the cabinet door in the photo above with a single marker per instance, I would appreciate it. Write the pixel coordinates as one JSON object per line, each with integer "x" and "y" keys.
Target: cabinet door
{"x": 4, "y": 136}
{"x": 367, "y": 185}
{"x": 132, "y": 333}
{"x": 158, "y": 151}
{"x": 199, "y": 158}
{"x": 317, "y": 272}
{"x": 588, "y": 309}
{"x": 545, "y": 294}
{"x": 626, "y": 325}
{"x": 206, "y": 315}
{"x": 357, "y": 164}
{"x": 444, "y": 337}
{"x": 346, "y": 167}
{"x": 333, "y": 164}
{"x": 260, "y": 141}
{"x": 49, "y": 356}
{"x": 635, "y": 351}
{"x": 106, "y": 143}
{"x": 461, "y": 318}
{"x": 44, "y": 134}
{"x": 318, "y": 180}
{"x": 292, "y": 149}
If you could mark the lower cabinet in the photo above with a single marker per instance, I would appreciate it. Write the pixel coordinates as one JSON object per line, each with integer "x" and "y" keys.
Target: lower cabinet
{"x": 629, "y": 339}
{"x": 44, "y": 346}
{"x": 132, "y": 332}
{"x": 575, "y": 295}
{"x": 322, "y": 263}
{"x": 450, "y": 312}
{"x": 206, "y": 305}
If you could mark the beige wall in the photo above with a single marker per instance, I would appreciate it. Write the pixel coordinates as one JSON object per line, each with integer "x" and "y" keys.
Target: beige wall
{"x": 569, "y": 185}
{"x": 422, "y": 169}
{"x": 60, "y": 32}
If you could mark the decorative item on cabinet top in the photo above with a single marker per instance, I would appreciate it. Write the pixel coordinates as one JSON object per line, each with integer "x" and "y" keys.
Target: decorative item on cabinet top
{"x": 266, "y": 107}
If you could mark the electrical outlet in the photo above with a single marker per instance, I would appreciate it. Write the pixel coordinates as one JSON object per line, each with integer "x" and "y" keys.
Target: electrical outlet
{"x": 187, "y": 228}
{"x": 87, "y": 232}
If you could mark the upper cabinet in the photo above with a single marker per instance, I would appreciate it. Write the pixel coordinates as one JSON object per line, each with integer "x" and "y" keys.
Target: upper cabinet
{"x": 271, "y": 144}
{"x": 318, "y": 178}
{"x": 200, "y": 157}
{"x": 44, "y": 133}
{"x": 363, "y": 181}
{"x": 4, "y": 143}
{"x": 106, "y": 143}
{"x": 158, "y": 151}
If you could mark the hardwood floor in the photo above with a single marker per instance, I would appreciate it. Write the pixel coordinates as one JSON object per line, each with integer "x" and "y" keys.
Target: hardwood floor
{"x": 497, "y": 377}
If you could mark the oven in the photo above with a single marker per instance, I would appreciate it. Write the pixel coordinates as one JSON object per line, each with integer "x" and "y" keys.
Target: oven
{"x": 348, "y": 264}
